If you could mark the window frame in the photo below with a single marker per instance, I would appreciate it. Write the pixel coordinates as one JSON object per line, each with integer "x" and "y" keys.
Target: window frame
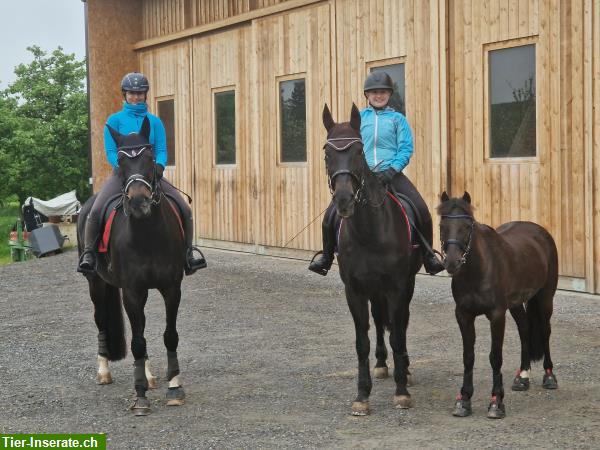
{"x": 157, "y": 100}
{"x": 487, "y": 132}
{"x": 217, "y": 90}
{"x": 376, "y": 63}
{"x": 278, "y": 80}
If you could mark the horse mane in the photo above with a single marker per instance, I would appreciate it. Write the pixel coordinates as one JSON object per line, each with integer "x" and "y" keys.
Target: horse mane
{"x": 445, "y": 208}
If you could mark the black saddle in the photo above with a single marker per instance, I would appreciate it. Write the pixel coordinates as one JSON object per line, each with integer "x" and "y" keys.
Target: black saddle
{"x": 414, "y": 218}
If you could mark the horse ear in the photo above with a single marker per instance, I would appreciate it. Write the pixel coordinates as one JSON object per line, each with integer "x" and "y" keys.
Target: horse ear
{"x": 355, "y": 118}
{"x": 145, "y": 130}
{"x": 327, "y": 119}
{"x": 444, "y": 197}
{"x": 467, "y": 197}
{"x": 115, "y": 134}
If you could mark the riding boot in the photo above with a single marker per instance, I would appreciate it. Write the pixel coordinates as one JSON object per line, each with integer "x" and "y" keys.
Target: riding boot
{"x": 87, "y": 260}
{"x": 191, "y": 262}
{"x": 322, "y": 264}
{"x": 430, "y": 261}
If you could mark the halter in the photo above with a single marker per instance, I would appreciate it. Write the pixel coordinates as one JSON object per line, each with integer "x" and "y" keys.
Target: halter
{"x": 132, "y": 152}
{"x": 466, "y": 249}
{"x": 332, "y": 142}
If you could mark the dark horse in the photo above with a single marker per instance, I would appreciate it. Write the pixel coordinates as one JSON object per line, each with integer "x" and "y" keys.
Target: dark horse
{"x": 144, "y": 252}
{"x": 514, "y": 267}
{"x": 375, "y": 257}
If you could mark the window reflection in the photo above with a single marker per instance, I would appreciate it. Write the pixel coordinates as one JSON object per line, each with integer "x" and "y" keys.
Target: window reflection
{"x": 225, "y": 127}
{"x": 292, "y": 106}
{"x": 396, "y": 71}
{"x": 512, "y": 102}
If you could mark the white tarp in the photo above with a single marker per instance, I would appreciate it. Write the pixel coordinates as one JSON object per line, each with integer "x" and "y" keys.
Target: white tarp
{"x": 63, "y": 205}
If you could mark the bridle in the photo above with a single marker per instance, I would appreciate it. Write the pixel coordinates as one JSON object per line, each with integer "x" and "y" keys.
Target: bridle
{"x": 360, "y": 180}
{"x": 466, "y": 249}
{"x": 132, "y": 152}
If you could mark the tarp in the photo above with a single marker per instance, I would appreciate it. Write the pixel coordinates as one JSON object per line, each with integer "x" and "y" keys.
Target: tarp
{"x": 63, "y": 205}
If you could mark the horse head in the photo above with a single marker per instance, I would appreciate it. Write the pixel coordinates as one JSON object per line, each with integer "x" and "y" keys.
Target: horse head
{"x": 456, "y": 230}
{"x": 136, "y": 170}
{"x": 345, "y": 161}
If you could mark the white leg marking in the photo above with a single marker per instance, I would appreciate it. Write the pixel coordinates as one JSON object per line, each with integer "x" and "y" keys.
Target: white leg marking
{"x": 524, "y": 374}
{"x": 147, "y": 369}
{"x": 102, "y": 365}
{"x": 175, "y": 382}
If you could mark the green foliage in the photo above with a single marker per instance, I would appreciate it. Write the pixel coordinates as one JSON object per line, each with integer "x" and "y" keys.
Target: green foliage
{"x": 8, "y": 217}
{"x": 44, "y": 128}
{"x": 293, "y": 123}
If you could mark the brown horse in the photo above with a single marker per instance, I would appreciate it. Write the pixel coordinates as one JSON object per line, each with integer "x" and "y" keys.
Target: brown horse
{"x": 376, "y": 259}
{"x": 514, "y": 267}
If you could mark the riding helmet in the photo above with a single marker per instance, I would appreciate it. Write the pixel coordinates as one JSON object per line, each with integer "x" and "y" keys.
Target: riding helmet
{"x": 378, "y": 80}
{"x": 135, "y": 82}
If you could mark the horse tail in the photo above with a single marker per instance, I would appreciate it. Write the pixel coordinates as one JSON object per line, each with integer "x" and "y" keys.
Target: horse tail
{"x": 538, "y": 318}
{"x": 115, "y": 326}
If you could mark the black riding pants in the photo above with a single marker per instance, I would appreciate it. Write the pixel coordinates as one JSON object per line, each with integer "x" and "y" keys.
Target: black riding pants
{"x": 403, "y": 185}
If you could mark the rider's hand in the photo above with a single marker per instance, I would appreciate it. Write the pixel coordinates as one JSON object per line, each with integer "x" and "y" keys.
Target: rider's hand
{"x": 159, "y": 171}
{"x": 388, "y": 175}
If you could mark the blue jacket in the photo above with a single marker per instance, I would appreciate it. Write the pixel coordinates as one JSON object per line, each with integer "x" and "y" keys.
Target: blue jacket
{"x": 129, "y": 120}
{"x": 387, "y": 138}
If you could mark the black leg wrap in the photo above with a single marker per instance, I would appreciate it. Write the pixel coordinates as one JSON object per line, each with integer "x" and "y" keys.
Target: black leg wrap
{"x": 139, "y": 377}
{"x": 102, "y": 344}
{"x": 172, "y": 365}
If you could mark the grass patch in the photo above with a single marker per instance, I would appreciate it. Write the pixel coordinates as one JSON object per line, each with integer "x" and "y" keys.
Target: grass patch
{"x": 9, "y": 213}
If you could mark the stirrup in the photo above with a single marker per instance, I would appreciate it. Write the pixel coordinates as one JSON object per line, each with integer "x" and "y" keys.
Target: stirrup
{"x": 192, "y": 264}
{"x": 86, "y": 269}
{"x": 316, "y": 269}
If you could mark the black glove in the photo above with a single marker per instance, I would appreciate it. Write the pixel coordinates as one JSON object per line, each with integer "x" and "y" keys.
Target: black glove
{"x": 159, "y": 168}
{"x": 387, "y": 175}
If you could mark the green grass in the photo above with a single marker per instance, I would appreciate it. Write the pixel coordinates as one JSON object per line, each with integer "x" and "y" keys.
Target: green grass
{"x": 9, "y": 214}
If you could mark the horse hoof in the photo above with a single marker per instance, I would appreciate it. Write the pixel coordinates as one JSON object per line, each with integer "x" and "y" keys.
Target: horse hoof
{"x": 380, "y": 372}
{"x": 520, "y": 384}
{"x": 360, "y": 409}
{"x": 496, "y": 410}
{"x": 104, "y": 378}
{"x": 175, "y": 396}
{"x": 462, "y": 408}
{"x": 141, "y": 407}
{"x": 549, "y": 381}
{"x": 152, "y": 383}
{"x": 402, "y": 401}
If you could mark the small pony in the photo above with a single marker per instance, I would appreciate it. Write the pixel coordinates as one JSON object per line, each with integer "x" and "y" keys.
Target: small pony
{"x": 514, "y": 267}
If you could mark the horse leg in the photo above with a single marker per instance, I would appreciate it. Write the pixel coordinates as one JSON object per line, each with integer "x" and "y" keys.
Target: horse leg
{"x": 541, "y": 307}
{"x": 172, "y": 297}
{"x": 134, "y": 306}
{"x": 379, "y": 313}
{"x": 108, "y": 317}
{"x": 521, "y": 381}
{"x": 410, "y": 289}
{"x": 496, "y": 409}
{"x": 358, "y": 305}
{"x": 466, "y": 323}
{"x": 399, "y": 314}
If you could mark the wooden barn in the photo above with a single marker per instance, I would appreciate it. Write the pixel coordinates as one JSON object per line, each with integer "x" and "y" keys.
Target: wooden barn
{"x": 503, "y": 97}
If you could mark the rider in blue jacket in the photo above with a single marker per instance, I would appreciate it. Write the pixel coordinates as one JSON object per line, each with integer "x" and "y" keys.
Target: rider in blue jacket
{"x": 134, "y": 88}
{"x": 388, "y": 146}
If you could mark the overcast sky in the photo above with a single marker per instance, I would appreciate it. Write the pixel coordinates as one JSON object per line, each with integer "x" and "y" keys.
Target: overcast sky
{"x": 46, "y": 23}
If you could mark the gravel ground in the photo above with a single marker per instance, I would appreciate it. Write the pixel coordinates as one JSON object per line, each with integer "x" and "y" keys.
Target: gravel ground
{"x": 267, "y": 358}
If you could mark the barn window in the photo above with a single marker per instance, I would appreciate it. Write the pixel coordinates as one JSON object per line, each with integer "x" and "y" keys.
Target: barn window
{"x": 166, "y": 112}
{"x": 225, "y": 127}
{"x": 512, "y": 102}
{"x": 396, "y": 71}
{"x": 292, "y": 111}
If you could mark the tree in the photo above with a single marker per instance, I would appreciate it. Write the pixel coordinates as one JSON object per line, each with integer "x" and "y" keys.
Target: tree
{"x": 44, "y": 128}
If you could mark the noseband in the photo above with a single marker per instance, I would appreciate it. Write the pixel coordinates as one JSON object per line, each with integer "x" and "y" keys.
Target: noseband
{"x": 350, "y": 141}
{"x": 132, "y": 152}
{"x": 465, "y": 248}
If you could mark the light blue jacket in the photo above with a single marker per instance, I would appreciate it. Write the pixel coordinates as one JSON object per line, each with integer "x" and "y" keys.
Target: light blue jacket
{"x": 129, "y": 120}
{"x": 387, "y": 138}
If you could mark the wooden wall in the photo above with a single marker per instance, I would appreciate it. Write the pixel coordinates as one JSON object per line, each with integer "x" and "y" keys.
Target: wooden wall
{"x": 333, "y": 43}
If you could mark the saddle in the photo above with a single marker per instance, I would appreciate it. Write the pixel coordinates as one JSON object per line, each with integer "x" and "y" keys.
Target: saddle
{"x": 412, "y": 216}
{"x": 113, "y": 205}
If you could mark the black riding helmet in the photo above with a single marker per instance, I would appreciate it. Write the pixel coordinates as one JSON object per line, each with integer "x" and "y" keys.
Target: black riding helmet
{"x": 134, "y": 82}
{"x": 378, "y": 80}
